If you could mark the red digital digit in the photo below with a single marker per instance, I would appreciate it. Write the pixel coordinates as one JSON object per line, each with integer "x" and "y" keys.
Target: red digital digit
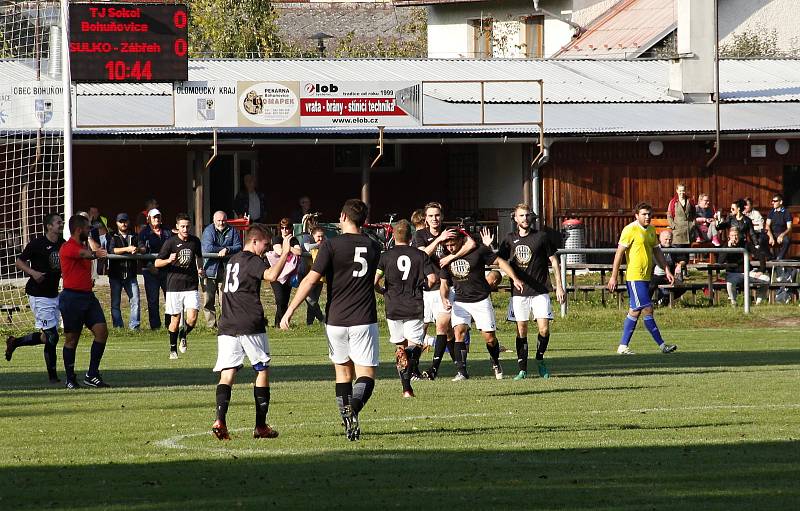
{"x": 180, "y": 47}
{"x": 147, "y": 72}
{"x": 119, "y": 70}
{"x": 179, "y": 19}
{"x": 110, "y": 69}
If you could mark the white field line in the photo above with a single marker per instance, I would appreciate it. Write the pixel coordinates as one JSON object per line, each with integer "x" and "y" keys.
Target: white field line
{"x": 176, "y": 442}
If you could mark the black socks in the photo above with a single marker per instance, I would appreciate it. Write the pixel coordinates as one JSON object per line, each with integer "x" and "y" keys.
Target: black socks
{"x": 494, "y": 351}
{"x": 522, "y": 353}
{"x": 223, "y": 400}
{"x": 362, "y": 390}
{"x": 541, "y": 345}
{"x": 68, "y": 354}
{"x": 173, "y": 341}
{"x": 261, "y": 395}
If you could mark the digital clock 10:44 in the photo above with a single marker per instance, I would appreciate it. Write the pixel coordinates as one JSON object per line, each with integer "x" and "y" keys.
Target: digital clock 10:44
{"x": 137, "y": 70}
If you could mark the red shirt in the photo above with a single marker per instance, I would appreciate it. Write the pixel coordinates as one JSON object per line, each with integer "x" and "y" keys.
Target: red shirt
{"x": 75, "y": 270}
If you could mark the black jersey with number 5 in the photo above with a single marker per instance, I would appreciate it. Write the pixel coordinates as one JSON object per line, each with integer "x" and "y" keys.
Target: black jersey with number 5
{"x": 242, "y": 312}
{"x": 405, "y": 270}
{"x": 468, "y": 275}
{"x": 348, "y": 263}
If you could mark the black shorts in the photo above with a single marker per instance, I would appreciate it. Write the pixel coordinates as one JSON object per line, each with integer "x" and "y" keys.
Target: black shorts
{"x": 79, "y": 308}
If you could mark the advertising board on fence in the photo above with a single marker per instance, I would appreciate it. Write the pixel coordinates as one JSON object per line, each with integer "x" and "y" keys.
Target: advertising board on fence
{"x": 205, "y": 104}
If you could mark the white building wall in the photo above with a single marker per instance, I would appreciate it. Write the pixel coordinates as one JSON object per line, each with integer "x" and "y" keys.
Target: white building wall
{"x": 499, "y": 175}
{"x": 450, "y": 35}
{"x": 762, "y": 17}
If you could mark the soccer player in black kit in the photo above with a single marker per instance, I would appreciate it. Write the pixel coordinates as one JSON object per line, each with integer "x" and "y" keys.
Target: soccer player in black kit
{"x": 348, "y": 263}
{"x": 467, "y": 274}
{"x": 242, "y": 327}
{"x": 406, "y": 271}
{"x": 431, "y": 241}
{"x": 181, "y": 255}
{"x": 528, "y": 250}
{"x": 40, "y": 261}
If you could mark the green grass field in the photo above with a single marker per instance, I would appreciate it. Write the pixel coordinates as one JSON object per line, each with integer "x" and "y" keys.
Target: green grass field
{"x": 715, "y": 426}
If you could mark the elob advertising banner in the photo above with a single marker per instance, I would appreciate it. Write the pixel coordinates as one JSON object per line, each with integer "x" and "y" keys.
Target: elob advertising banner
{"x": 359, "y": 104}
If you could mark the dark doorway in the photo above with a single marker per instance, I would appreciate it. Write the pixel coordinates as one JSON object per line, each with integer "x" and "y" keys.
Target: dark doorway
{"x": 221, "y": 179}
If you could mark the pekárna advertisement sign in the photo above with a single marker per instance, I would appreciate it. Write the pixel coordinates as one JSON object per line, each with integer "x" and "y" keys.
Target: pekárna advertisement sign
{"x": 268, "y": 104}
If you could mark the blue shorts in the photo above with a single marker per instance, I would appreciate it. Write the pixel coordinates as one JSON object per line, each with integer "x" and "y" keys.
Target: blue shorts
{"x": 639, "y": 294}
{"x": 79, "y": 308}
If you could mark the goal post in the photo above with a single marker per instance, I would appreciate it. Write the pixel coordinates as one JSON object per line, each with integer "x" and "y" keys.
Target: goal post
{"x": 32, "y": 143}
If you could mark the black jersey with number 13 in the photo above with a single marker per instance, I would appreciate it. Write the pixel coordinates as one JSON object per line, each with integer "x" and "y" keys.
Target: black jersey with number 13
{"x": 348, "y": 263}
{"x": 242, "y": 312}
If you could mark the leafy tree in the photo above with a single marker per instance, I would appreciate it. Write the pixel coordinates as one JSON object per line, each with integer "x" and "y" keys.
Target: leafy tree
{"x": 756, "y": 43}
{"x": 233, "y": 28}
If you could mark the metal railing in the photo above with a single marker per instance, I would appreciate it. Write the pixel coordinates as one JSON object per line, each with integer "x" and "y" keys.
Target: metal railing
{"x": 562, "y": 253}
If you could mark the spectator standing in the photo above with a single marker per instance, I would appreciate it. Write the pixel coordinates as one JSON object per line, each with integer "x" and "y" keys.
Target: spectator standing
{"x": 96, "y": 219}
{"x": 681, "y": 216}
{"x": 304, "y": 208}
{"x": 418, "y": 219}
{"x": 221, "y": 239}
{"x": 151, "y": 238}
{"x": 122, "y": 274}
{"x": 142, "y": 219}
{"x": 250, "y": 201}
{"x": 313, "y": 309}
{"x": 705, "y": 223}
{"x": 282, "y": 286}
{"x": 779, "y": 228}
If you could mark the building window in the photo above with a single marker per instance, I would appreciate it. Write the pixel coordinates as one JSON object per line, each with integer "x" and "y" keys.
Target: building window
{"x": 354, "y": 157}
{"x": 533, "y": 33}
{"x": 481, "y": 38}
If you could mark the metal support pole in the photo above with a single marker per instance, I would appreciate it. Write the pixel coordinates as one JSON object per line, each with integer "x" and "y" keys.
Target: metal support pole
{"x": 564, "y": 283}
{"x": 747, "y": 282}
{"x": 67, "y": 106}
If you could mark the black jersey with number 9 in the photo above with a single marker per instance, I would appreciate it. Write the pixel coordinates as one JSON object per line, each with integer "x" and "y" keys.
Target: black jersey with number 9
{"x": 242, "y": 312}
{"x": 348, "y": 263}
{"x": 405, "y": 270}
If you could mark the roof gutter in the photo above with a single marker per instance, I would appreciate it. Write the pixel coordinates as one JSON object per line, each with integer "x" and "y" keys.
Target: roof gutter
{"x": 495, "y": 139}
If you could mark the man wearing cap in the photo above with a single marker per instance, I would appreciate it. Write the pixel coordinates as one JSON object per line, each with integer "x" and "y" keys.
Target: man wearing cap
{"x": 151, "y": 238}
{"x": 122, "y": 272}
{"x": 221, "y": 239}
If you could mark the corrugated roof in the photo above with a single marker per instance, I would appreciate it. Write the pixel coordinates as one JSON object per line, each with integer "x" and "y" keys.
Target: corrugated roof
{"x": 560, "y": 119}
{"x": 626, "y": 31}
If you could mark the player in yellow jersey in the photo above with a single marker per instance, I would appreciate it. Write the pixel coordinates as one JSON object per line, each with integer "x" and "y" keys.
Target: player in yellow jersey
{"x": 639, "y": 244}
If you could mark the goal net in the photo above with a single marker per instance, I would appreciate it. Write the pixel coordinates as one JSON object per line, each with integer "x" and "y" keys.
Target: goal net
{"x": 31, "y": 141}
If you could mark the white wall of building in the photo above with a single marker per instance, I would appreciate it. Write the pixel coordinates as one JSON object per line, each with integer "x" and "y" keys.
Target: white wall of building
{"x": 761, "y": 16}
{"x": 451, "y": 36}
{"x": 499, "y": 175}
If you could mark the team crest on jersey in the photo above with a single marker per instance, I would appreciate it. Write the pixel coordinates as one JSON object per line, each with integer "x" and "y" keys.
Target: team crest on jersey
{"x": 460, "y": 268}
{"x": 184, "y": 257}
{"x": 55, "y": 261}
{"x": 439, "y": 250}
{"x": 522, "y": 253}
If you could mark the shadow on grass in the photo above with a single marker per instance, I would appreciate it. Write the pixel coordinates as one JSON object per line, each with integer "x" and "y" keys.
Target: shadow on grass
{"x": 607, "y": 365}
{"x": 739, "y": 476}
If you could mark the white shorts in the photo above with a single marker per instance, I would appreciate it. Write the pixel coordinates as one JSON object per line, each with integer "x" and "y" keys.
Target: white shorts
{"x": 521, "y": 307}
{"x": 45, "y": 311}
{"x": 401, "y": 329}
{"x": 481, "y": 312}
{"x": 232, "y": 349}
{"x": 357, "y": 343}
{"x": 178, "y": 301}
{"x": 432, "y": 300}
